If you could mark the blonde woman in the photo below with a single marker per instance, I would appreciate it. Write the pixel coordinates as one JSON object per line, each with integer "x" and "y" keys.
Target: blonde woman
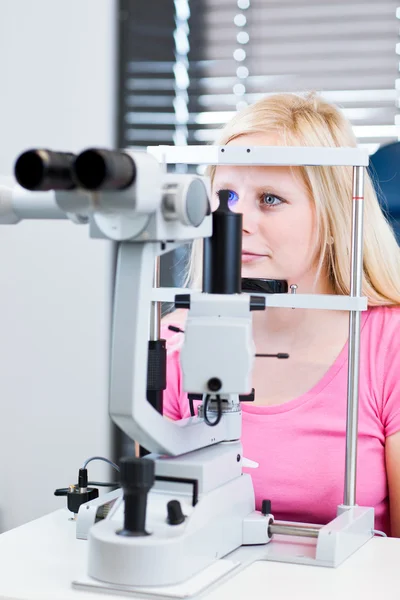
{"x": 296, "y": 226}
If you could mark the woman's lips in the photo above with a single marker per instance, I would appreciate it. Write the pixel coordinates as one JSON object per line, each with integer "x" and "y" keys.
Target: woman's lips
{"x": 248, "y": 257}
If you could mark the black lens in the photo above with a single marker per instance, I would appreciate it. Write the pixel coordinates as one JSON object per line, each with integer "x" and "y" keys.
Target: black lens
{"x": 104, "y": 170}
{"x": 42, "y": 169}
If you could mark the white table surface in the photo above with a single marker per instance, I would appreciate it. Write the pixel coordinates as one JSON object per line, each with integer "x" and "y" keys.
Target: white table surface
{"x": 40, "y": 559}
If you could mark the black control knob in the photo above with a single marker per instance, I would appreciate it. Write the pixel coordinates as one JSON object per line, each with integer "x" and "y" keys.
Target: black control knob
{"x": 137, "y": 478}
{"x": 175, "y": 514}
{"x": 266, "y": 508}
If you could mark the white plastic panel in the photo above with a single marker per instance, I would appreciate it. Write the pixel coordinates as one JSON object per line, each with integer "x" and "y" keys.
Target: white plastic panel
{"x": 260, "y": 155}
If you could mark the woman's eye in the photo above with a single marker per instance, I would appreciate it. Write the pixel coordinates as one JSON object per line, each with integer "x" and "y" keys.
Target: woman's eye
{"x": 270, "y": 200}
{"x": 232, "y": 198}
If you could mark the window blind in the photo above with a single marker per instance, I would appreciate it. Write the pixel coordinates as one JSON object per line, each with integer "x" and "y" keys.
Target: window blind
{"x": 186, "y": 66}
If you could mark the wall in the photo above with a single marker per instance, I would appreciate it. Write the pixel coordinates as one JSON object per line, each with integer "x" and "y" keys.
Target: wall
{"x": 57, "y": 88}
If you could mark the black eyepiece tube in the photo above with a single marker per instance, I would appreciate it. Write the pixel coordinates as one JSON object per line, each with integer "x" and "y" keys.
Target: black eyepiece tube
{"x": 224, "y": 250}
{"x": 96, "y": 169}
{"x": 41, "y": 169}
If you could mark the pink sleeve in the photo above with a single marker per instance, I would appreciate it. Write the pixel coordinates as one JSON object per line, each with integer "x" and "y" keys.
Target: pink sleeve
{"x": 391, "y": 375}
{"x": 171, "y": 404}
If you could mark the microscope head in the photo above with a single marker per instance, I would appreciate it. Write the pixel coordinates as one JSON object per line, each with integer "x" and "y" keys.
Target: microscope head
{"x": 126, "y": 194}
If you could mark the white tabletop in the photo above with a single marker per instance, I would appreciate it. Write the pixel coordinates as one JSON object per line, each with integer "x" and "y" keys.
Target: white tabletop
{"x": 39, "y": 560}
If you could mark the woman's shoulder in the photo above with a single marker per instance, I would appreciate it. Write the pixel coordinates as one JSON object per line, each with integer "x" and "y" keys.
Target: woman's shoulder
{"x": 383, "y": 327}
{"x": 381, "y": 331}
{"x": 385, "y": 319}
{"x": 176, "y": 317}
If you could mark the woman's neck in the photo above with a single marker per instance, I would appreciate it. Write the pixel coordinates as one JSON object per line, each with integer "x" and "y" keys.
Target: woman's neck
{"x": 296, "y": 327}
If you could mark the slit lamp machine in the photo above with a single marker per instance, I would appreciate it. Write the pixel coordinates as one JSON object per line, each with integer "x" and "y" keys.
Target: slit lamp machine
{"x": 187, "y": 506}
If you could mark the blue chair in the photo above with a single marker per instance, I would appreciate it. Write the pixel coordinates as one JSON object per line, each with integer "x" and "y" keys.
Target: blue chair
{"x": 384, "y": 170}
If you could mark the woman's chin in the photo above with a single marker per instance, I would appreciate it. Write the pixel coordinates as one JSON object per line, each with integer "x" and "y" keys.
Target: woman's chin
{"x": 255, "y": 272}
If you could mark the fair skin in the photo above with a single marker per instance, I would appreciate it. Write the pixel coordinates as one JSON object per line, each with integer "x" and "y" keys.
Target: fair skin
{"x": 279, "y": 233}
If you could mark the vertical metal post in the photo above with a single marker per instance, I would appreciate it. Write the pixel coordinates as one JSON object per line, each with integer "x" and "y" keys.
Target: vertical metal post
{"x": 354, "y": 337}
{"x": 154, "y": 396}
{"x": 155, "y": 315}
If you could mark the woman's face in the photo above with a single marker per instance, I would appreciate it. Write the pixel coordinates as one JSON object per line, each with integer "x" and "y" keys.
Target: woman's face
{"x": 278, "y": 218}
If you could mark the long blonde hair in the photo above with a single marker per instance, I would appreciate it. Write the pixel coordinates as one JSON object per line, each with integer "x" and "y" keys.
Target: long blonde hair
{"x": 309, "y": 120}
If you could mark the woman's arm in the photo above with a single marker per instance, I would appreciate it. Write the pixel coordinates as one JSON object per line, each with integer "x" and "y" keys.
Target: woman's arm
{"x": 393, "y": 474}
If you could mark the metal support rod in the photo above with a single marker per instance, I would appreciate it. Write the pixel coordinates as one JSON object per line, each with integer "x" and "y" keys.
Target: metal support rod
{"x": 155, "y": 397}
{"x": 309, "y": 532}
{"x": 356, "y": 277}
{"x": 155, "y": 316}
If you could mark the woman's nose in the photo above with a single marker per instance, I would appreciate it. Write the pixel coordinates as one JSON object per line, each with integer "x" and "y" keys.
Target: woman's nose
{"x": 250, "y": 222}
{"x": 250, "y": 216}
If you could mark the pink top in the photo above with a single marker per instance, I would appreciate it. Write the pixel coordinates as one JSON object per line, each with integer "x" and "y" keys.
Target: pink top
{"x": 300, "y": 445}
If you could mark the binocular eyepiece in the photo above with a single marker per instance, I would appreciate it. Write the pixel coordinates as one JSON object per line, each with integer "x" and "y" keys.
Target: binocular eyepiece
{"x": 45, "y": 170}
{"x": 104, "y": 170}
{"x": 94, "y": 170}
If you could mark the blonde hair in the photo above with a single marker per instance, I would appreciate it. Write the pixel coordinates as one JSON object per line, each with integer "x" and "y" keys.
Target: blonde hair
{"x": 309, "y": 120}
